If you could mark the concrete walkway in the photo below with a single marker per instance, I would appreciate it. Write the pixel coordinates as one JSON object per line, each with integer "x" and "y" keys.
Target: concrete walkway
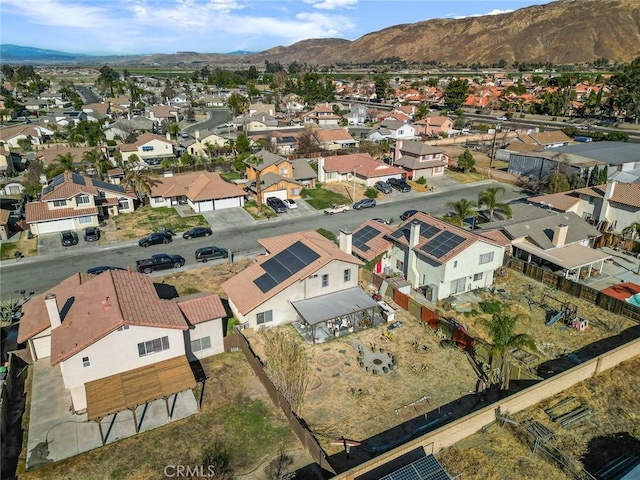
{"x": 55, "y": 433}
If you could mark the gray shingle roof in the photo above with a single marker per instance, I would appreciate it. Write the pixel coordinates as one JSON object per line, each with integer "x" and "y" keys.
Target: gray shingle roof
{"x": 540, "y": 231}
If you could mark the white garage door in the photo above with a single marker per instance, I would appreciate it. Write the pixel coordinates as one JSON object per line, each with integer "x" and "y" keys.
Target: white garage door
{"x": 227, "y": 203}
{"x": 206, "y": 206}
{"x": 56, "y": 226}
{"x": 281, "y": 194}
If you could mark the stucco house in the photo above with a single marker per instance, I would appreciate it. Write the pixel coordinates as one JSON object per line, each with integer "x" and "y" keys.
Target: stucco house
{"x": 322, "y": 114}
{"x": 98, "y": 326}
{"x": 441, "y": 259}
{"x": 73, "y": 202}
{"x": 202, "y": 191}
{"x": 419, "y": 159}
{"x": 334, "y": 139}
{"x": 431, "y": 126}
{"x": 36, "y": 134}
{"x": 164, "y": 114}
{"x": 392, "y": 130}
{"x": 366, "y": 169}
{"x": 298, "y": 267}
{"x": 149, "y": 148}
{"x": 280, "y": 177}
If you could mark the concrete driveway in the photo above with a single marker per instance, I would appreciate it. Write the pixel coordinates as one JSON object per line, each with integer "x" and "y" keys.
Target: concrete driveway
{"x": 49, "y": 243}
{"x": 55, "y": 433}
{"x": 228, "y": 218}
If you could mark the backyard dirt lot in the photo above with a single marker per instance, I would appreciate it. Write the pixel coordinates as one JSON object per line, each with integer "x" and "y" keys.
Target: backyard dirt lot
{"x": 146, "y": 220}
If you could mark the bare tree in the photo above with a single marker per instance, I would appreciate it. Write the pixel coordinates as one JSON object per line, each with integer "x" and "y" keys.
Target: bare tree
{"x": 279, "y": 466}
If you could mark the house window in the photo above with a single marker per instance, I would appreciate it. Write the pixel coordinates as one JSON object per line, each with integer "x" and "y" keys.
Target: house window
{"x": 295, "y": 191}
{"x": 123, "y": 204}
{"x": 437, "y": 169}
{"x": 200, "y": 344}
{"x": 284, "y": 171}
{"x": 123, "y": 327}
{"x": 325, "y": 280}
{"x": 347, "y": 275}
{"x": 455, "y": 264}
{"x": 153, "y": 346}
{"x": 59, "y": 203}
{"x": 400, "y": 265}
{"x": 264, "y": 317}
{"x": 85, "y": 219}
{"x": 147, "y": 148}
{"x": 486, "y": 258}
{"x": 82, "y": 199}
{"x": 477, "y": 277}
{"x": 590, "y": 200}
{"x": 86, "y": 362}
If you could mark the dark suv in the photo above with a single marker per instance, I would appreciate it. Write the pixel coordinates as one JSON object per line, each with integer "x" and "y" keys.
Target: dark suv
{"x": 276, "y": 205}
{"x": 69, "y": 238}
{"x": 155, "y": 239}
{"x": 196, "y": 232}
{"x": 91, "y": 234}
{"x": 205, "y": 254}
{"x": 384, "y": 187}
{"x": 399, "y": 184}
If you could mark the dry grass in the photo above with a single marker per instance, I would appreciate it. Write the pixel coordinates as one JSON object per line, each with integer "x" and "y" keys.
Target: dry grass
{"x": 482, "y": 159}
{"x": 27, "y": 246}
{"x": 146, "y": 220}
{"x": 205, "y": 279}
{"x": 460, "y": 176}
{"x": 346, "y": 189}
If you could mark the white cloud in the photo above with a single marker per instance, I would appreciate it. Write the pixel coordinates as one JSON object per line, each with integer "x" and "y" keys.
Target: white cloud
{"x": 495, "y": 11}
{"x": 58, "y": 13}
{"x": 332, "y": 4}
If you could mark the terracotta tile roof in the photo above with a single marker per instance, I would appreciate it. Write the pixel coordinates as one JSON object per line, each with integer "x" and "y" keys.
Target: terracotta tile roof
{"x": 496, "y": 236}
{"x": 39, "y": 212}
{"x": 469, "y": 238}
{"x": 97, "y": 306}
{"x": 67, "y": 185}
{"x": 559, "y": 201}
{"x": 365, "y": 165}
{"x": 4, "y": 216}
{"x": 626, "y": 194}
{"x": 197, "y": 187}
{"x": 332, "y": 135}
{"x": 201, "y": 307}
{"x": 246, "y": 295}
{"x": 49, "y": 155}
{"x": 146, "y": 137}
{"x": 376, "y": 245}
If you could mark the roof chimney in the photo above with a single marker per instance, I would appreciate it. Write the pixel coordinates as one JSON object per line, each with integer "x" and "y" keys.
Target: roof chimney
{"x": 560, "y": 235}
{"x": 169, "y": 136}
{"x": 196, "y": 135}
{"x": 52, "y": 309}
{"x": 346, "y": 238}
{"x": 414, "y": 234}
{"x": 321, "y": 173}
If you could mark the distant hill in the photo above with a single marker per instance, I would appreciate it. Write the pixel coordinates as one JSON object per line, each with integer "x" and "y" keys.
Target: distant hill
{"x": 10, "y": 52}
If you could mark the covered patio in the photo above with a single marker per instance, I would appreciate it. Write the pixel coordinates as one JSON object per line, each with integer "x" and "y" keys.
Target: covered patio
{"x": 576, "y": 261}
{"x": 335, "y": 314}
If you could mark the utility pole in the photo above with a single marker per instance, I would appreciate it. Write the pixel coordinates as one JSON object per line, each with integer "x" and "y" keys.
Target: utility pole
{"x": 493, "y": 146}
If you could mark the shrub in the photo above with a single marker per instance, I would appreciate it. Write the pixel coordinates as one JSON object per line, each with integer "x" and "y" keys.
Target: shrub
{"x": 231, "y": 323}
{"x": 421, "y": 181}
{"x": 491, "y": 307}
{"x": 327, "y": 234}
{"x": 371, "y": 193}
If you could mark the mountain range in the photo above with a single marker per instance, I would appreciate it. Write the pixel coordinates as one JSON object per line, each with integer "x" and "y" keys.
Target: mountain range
{"x": 561, "y": 32}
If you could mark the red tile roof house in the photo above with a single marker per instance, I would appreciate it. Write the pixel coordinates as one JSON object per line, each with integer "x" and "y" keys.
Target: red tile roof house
{"x": 367, "y": 170}
{"x": 418, "y": 159}
{"x": 322, "y": 115}
{"x": 335, "y": 139}
{"x": 149, "y": 147}
{"x": 203, "y": 192}
{"x": 73, "y": 202}
{"x": 441, "y": 259}
{"x": 304, "y": 277}
{"x": 430, "y": 126}
{"x": 370, "y": 241}
{"x": 98, "y": 327}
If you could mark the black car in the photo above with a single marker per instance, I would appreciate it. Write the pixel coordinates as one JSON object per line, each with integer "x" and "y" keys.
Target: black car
{"x": 276, "y": 205}
{"x": 205, "y": 254}
{"x": 383, "y": 187}
{"x": 400, "y": 185}
{"x": 69, "y": 238}
{"x": 91, "y": 234}
{"x": 196, "y": 232}
{"x": 101, "y": 269}
{"x": 364, "y": 203}
{"x": 408, "y": 214}
{"x": 155, "y": 239}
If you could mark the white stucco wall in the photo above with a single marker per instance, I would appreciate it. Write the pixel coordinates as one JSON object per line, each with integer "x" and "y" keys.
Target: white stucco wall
{"x": 211, "y": 329}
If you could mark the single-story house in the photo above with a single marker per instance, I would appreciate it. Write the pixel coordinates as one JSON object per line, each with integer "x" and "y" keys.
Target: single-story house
{"x": 366, "y": 169}
{"x": 392, "y": 130}
{"x": 334, "y": 139}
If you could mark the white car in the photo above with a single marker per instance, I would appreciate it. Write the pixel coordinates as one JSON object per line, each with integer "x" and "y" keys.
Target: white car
{"x": 291, "y": 204}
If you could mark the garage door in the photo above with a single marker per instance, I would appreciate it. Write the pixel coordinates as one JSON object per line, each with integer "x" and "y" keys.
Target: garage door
{"x": 227, "y": 203}
{"x": 56, "y": 226}
{"x": 206, "y": 206}
{"x": 281, "y": 194}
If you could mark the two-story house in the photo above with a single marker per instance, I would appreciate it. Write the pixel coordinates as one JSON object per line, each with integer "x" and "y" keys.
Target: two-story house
{"x": 303, "y": 276}
{"x": 98, "y": 326}
{"x": 280, "y": 177}
{"x": 392, "y": 130}
{"x": 430, "y": 126}
{"x": 73, "y": 202}
{"x": 321, "y": 114}
{"x": 419, "y": 159}
{"x": 164, "y": 114}
{"x": 149, "y": 148}
{"x": 35, "y": 134}
{"x": 441, "y": 259}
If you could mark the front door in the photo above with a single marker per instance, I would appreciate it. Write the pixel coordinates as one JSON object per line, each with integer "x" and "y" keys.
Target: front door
{"x": 457, "y": 286}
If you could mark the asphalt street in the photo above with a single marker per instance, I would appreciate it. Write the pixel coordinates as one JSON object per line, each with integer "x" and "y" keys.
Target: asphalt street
{"x": 44, "y": 271}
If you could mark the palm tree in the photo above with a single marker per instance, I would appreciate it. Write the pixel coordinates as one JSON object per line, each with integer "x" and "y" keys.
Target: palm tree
{"x": 140, "y": 181}
{"x": 210, "y": 149}
{"x": 173, "y": 129}
{"x": 489, "y": 198}
{"x": 501, "y": 328}
{"x": 632, "y": 230}
{"x": 462, "y": 209}
{"x": 255, "y": 161}
{"x": 65, "y": 161}
{"x": 96, "y": 159}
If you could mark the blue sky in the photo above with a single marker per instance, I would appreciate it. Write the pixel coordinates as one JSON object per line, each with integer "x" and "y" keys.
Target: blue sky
{"x": 215, "y": 26}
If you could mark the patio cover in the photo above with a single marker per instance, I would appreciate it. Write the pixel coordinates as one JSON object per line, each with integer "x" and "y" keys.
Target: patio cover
{"x": 333, "y": 305}
{"x": 138, "y": 386}
{"x": 568, "y": 257}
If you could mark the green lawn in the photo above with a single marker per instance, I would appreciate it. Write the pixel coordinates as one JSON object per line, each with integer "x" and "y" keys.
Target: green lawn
{"x": 230, "y": 176}
{"x": 252, "y": 208}
{"x": 147, "y": 220}
{"x": 320, "y": 198}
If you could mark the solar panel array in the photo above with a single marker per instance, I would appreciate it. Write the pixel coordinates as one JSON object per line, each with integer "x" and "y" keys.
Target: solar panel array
{"x": 425, "y": 468}
{"x": 284, "y": 264}
{"x": 442, "y": 244}
{"x": 77, "y": 179}
{"x": 426, "y": 231}
{"x": 362, "y": 236}
{"x": 107, "y": 186}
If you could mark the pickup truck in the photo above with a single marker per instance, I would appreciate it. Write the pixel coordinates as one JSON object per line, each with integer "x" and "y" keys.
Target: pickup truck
{"x": 337, "y": 209}
{"x": 160, "y": 261}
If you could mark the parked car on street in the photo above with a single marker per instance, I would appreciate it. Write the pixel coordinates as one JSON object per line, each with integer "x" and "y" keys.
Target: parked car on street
{"x": 205, "y": 254}
{"x": 291, "y": 204}
{"x": 364, "y": 203}
{"x": 400, "y": 185}
{"x": 102, "y": 269}
{"x": 276, "y": 204}
{"x": 91, "y": 234}
{"x": 155, "y": 239}
{"x": 69, "y": 238}
{"x": 383, "y": 187}
{"x": 408, "y": 214}
{"x": 196, "y": 232}
{"x": 337, "y": 209}
{"x": 160, "y": 261}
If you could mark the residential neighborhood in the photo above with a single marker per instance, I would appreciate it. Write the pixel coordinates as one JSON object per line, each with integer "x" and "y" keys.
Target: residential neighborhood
{"x": 316, "y": 272}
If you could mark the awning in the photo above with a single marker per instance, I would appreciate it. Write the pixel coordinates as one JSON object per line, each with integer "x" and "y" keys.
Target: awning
{"x": 568, "y": 257}
{"x": 136, "y": 387}
{"x": 333, "y": 305}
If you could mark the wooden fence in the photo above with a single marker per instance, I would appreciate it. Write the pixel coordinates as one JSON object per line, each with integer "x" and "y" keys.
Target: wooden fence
{"x": 575, "y": 289}
{"x": 239, "y": 341}
{"x": 617, "y": 241}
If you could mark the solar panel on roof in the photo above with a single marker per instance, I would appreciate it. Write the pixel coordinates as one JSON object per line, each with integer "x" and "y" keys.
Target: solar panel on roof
{"x": 425, "y": 468}
{"x": 428, "y": 231}
{"x": 442, "y": 244}
{"x": 362, "y": 236}
{"x": 57, "y": 180}
{"x": 303, "y": 252}
{"x": 108, "y": 186}
{"x": 47, "y": 190}
{"x": 284, "y": 264}
{"x": 265, "y": 283}
{"x": 77, "y": 179}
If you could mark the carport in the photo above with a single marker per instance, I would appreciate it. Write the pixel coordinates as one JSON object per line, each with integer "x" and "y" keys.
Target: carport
{"x": 129, "y": 390}
{"x": 350, "y": 310}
